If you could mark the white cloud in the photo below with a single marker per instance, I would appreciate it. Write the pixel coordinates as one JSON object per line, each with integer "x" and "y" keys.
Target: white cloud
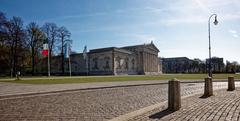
{"x": 198, "y": 11}
{"x": 229, "y": 16}
{"x": 234, "y": 33}
{"x": 202, "y": 6}
{"x": 178, "y": 12}
{"x": 185, "y": 20}
{"x": 143, "y": 37}
{"x": 95, "y": 29}
{"x": 152, "y": 9}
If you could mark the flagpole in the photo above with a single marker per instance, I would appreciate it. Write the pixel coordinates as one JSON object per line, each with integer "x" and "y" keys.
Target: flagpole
{"x": 69, "y": 63}
{"x": 49, "y": 74}
{"x": 85, "y": 57}
{"x": 87, "y": 64}
{"x": 48, "y": 65}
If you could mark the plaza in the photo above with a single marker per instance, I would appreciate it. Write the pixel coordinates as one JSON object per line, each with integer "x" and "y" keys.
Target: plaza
{"x": 126, "y": 60}
{"x": 109, "y": 101}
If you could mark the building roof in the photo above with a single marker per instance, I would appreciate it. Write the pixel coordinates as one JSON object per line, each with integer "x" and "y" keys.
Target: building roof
{"x": 175, "y": 58}
{"x": 143, "y": 45}
{"x": 101, "y": 50}
{"x": 122, "y": 49}
{"x": 110, "y": 49}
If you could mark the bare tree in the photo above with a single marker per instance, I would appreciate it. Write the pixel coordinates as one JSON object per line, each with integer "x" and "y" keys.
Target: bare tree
{"x": 3, "y": 34}
{"x": 35, "y": 38}
{"x": 51, "y": 33}
{"x": 4, "y": 49}
{"x": 64, "y": 35}
{"x": 16, "y": 40}
{"x": 2, "y": 20}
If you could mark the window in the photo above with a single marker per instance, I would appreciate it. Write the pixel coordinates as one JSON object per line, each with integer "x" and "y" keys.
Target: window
{"x": 126, "y": 63}
{"x": 95, "y": 61}
{"x": 107, "y": 66}
{"x": 133, "y": 63}
{"x": 118, "y": 63}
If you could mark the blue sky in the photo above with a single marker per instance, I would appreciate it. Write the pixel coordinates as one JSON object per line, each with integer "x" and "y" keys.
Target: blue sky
{"x": 177, "y": 27}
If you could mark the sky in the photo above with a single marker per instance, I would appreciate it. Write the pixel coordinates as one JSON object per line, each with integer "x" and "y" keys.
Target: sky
{"x": 179, "y": 28}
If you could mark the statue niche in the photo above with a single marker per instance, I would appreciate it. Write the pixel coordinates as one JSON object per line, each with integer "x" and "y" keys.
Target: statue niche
{"x": 107, "y": 65}
{"x": 95, "y": 62}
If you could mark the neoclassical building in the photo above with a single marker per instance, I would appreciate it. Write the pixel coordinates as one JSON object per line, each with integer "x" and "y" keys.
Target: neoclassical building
{"x": 130, "y": 60}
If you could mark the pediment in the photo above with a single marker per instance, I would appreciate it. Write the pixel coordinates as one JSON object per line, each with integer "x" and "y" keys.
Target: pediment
{"x": 153, "y": 47}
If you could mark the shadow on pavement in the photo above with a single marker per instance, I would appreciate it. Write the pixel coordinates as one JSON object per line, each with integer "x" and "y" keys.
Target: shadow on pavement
{"x": 161, "y": 114}
{"x": 205, "y": 97}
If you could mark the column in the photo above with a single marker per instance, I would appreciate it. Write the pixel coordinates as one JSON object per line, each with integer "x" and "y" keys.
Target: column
{"x": 148, "y": 64}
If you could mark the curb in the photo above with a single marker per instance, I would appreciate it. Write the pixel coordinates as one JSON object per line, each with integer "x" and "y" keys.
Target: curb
{"x": 133, "y": 114}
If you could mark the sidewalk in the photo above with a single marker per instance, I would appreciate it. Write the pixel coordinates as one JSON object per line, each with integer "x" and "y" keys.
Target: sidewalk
{"x": 224, "y": 105}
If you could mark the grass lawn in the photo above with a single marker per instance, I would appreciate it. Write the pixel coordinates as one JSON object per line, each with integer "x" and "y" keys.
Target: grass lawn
{"x": 87, "y": 79}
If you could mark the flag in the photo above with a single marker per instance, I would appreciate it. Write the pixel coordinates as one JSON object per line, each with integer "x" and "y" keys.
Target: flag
{"x": 45, "y": 49}
{"x": 67, "y": 49}
{"x": 85, "y": 52}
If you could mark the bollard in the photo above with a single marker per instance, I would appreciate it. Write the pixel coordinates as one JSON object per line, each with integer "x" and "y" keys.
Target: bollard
{"x": 208, "y": 88}
{"x": 231, "y": 83}
{"x": 174, "y": 95}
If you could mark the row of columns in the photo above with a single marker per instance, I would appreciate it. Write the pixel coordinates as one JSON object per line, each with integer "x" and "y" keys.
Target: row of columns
{"x": 150, "y": 62}
{"x": 174, "y": 91}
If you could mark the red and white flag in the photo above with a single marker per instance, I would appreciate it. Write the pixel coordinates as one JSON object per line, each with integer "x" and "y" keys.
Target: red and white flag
{"x": 45, "y": 49}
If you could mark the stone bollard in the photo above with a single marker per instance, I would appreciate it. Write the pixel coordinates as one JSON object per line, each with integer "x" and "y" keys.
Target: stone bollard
{"x": 231, "y": 83}
{"x": 174, "y": 95}
{"x": 208, "y": 88}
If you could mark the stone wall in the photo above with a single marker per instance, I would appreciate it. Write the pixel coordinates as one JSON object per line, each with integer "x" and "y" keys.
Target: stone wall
{"x": 78, "y": 64}
{"x": 101, "y": 63}
{"x": 125, "y": 63}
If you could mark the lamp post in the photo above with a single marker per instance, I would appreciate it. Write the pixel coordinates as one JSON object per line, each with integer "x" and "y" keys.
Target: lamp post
{"x": 209, "y": 37}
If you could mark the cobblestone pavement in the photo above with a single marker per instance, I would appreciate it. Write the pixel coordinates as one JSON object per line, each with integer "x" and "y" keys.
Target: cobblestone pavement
{"x": 7, "y": 89}
{"x": 16, "y": 89}
{"x": 90, "y": 105}
{"x": 223, "y": 106}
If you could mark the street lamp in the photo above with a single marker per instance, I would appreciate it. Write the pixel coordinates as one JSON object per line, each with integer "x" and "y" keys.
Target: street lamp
{"x": 209, "y": 61}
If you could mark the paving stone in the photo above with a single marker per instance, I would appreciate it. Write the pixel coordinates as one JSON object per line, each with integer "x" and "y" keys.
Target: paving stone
{"x": 98, "y": 104}
{"x": 223, "y": 106}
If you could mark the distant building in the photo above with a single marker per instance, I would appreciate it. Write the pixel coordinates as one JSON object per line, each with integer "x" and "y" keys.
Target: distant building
{"x": 176, "y": 65}
{"x": 139, "y": 59}
{"x": 217, "y": 64}
{"x": 186, "y": 65}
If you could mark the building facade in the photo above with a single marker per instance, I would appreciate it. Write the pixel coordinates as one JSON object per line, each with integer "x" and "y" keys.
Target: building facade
{"x": 217, "y": 64}
{"x": 186, "y": 65}
{"x": 176, "y": 65}
{"x": 130, "y": 60}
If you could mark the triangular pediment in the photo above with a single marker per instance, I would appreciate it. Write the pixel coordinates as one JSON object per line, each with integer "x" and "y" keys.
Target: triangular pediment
{"x": 152, "y": 46}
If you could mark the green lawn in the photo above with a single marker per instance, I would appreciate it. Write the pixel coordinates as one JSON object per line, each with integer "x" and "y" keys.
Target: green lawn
{"x": 85, "y": 79}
